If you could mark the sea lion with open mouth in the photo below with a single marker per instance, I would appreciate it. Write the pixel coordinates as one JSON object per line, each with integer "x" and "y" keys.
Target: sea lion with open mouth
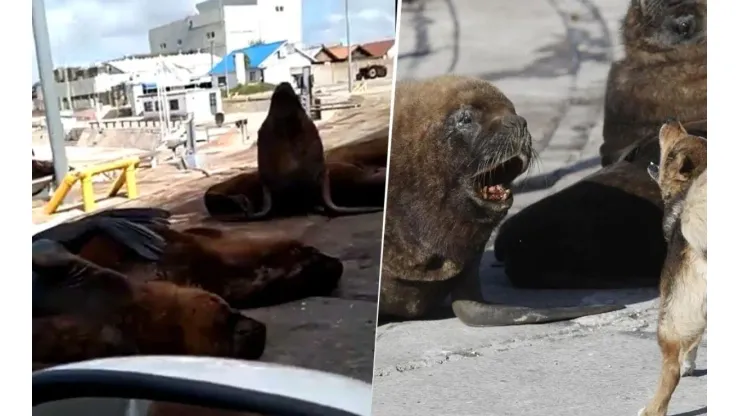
{"x": 457, "y": 146}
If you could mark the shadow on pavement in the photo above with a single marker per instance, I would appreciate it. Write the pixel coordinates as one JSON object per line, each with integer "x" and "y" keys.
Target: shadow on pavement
{"x": 697, "y": 412}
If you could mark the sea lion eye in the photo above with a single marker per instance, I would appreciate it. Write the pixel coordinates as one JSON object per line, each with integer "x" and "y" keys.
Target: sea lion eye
{"x": 684, "y": 26}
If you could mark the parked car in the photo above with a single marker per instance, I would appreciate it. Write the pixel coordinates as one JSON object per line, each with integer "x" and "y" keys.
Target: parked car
{"x": 141, "y": 385}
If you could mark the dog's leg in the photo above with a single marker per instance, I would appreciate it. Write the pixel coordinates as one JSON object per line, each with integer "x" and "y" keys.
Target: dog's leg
{"x": 670, "y": 347}
{"x": 688, "y": 364}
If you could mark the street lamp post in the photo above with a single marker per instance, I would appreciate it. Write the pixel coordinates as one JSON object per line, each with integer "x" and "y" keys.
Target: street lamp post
{"x": 51, "y": 100}
{"x": 349, "y": 47}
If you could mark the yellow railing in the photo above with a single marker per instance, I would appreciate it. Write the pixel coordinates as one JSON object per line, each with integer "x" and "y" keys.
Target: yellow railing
{"x": 84, "y": 176}
{"x": 359, "y": 86}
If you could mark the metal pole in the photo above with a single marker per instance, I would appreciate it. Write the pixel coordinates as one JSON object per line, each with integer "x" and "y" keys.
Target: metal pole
{"x": 211, "y": 55}
{"x": 69, "y": 89}
{"x": 349, "y": 47}
{"x": 226, "y": 50}
{"x": 51, "y": 101}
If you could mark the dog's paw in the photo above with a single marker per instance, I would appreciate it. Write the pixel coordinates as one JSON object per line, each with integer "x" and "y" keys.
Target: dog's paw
{"x": 687, "y": 368}
{"x": 641, "y": 412}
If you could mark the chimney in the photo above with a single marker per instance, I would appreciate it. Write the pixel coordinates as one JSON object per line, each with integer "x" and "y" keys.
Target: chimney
{"x": 240, "y": 68}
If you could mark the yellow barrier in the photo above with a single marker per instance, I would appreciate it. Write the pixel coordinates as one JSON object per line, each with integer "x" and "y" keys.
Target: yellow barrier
{"x": 84, "y": 176}
{"x": 360, "y": 86}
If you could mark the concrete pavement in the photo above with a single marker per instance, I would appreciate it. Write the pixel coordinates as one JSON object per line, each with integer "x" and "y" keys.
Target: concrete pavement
{"x": 551, "y": 58}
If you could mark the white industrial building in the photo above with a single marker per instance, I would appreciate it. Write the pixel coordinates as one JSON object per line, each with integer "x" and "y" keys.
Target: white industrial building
{"x": 272, "y": 63}
{"x": 225, "y": 25}
{"x": 201, "y": 103}
{"x": 108, "y": 84}
{"x": 170, "y": 90}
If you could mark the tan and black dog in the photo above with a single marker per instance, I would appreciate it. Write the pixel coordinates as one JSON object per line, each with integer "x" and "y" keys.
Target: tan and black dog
{"x": 682, "y": 320}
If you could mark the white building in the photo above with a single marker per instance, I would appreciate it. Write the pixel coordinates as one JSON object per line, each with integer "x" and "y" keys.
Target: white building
{"x": 269, "y": 62}
{"x": 106, "y": 84}
{"x": 225, "y": 25}
{"x": 202, "y": 103}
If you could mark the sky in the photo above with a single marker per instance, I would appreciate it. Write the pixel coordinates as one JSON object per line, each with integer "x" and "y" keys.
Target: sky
{"x": 87, "y": 31}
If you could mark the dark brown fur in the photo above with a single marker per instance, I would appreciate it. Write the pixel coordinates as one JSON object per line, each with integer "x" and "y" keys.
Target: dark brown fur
{"x": 293, "y": 172}
{"x": 446, "y": 131}
{"x": 248, "y": 273}
{"x": 147, "y": 318}
{"x": 662, "y": 75}
{"x": 683, "y": 285}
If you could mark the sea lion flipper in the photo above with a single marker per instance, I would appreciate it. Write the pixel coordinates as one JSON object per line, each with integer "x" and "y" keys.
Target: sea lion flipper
{"x": 266, "y": 205}
{"x": 473, "y": 313}
{"x": 71, "y": 234}
{"x": 140, "y": 239}
{"x": 332, "y": 207}
{"x": 142, "y": 216}
{"x": 65, "y": 283}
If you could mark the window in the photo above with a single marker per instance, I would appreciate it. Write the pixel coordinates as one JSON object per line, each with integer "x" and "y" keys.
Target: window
{"x": 221, "y": 80}
{"x": 212, "y": 99}
{"x": 163, "y": 45}
{"x": 174, "y": 105}
{"x": 210, "y": 35}
{"x": 156, "y": 106}
{"x": 280, "y": 54}
{"x": 148, "y": 106}
{"x": 179, "y": 41}
{"x": 279, "y": 8}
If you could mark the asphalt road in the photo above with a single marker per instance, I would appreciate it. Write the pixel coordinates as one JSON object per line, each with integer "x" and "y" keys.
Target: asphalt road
{"x": 551, "y": 58}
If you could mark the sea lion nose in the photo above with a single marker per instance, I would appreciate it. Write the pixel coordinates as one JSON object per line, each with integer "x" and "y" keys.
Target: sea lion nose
{"x": 515, "y": 122}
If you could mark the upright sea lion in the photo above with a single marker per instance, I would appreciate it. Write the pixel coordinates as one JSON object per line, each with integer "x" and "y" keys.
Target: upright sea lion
{"x": 663, "y": 74}
{"x": 458, "y": 143}
{"x": 247, "y": 272}
{"x": 79, "y": 303}
{"x": 293, "y": 176}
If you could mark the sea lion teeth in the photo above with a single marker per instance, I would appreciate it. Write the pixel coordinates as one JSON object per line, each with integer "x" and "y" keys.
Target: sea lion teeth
{"x": 454, "y": 236}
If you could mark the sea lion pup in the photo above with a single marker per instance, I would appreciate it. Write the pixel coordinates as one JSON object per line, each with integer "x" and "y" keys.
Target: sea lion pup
{"x": 247, "y": 272}
{"x": 156, "y": 317}
{"x": 292, "y": 175}
{"x": 663, "y": 74}
{"x": 682, "y": 320}
{"x": 581, "y": 236}
{"x": 457, "y": 146}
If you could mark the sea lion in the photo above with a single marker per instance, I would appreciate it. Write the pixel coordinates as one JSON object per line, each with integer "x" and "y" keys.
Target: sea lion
{"x": 247, "y": 272}
{"x": 101, "y": 310}
{"x": 458, "y": 143}
{"x": 663, "y": 74}
{"x": 293, "y": 176}
{"x": 602, "y": 232}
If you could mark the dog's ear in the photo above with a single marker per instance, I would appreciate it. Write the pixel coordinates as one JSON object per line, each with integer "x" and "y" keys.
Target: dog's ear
{"x": 686, "y": 166}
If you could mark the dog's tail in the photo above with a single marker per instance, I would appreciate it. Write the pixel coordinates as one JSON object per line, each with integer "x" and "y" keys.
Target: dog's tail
{"x": 694, "y": 215}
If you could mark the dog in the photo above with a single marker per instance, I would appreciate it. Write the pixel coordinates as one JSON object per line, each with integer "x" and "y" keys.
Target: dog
{"x": 682, "y": 320}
